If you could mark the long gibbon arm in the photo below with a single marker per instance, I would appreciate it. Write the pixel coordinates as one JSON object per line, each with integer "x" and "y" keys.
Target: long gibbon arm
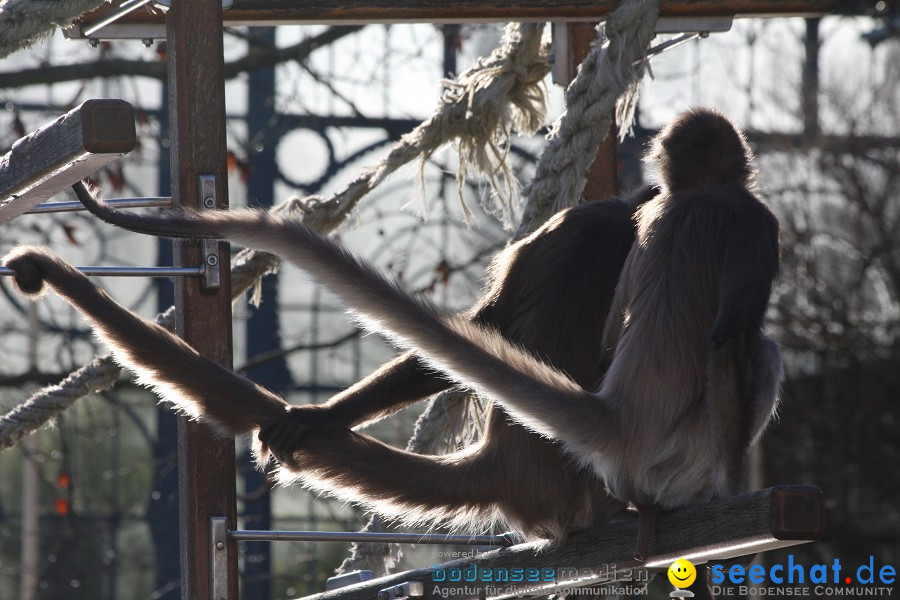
{"x": 193, "y": 383}
{"x": 469, "y": 353}
{"x": 516, "y": 303}
{"x": 550, "y": 292}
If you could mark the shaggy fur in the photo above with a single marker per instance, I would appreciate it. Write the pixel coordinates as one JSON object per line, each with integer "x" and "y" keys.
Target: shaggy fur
{"x": 550, "y": 293}
{"x": 688, "y": 379}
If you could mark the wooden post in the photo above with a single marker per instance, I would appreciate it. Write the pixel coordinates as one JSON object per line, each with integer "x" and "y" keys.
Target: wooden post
{"x": 197, "y": 133}
{"x": 602, "y": 175}
{"x": 280, "y": 12}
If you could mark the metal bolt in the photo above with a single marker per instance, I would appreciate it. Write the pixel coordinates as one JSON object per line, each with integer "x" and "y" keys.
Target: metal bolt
{"x": 212, "y": 260}
{"x": 209, "y": 202}
{"x": 220, "y": 545}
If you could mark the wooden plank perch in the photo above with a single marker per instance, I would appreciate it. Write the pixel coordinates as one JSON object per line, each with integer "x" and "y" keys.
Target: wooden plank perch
{"x": 85, "y": 139}
{"x": 764, "y": 520}
{"x": 279, "y": 12}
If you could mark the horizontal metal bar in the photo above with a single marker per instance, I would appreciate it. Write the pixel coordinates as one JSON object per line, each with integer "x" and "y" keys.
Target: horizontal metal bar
{"x": 75, "y": 206}
{"x": 774, "y": 518}
{"x": 123, "y": 10}
{"x": 129, "y": 271}
{"x": 674, "y": 43}
{"x": 355, "y": 536}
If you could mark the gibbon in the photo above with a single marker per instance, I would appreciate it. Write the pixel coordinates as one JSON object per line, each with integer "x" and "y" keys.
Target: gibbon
{"x": 659, "y": 405}
{"x": 549, "y": 292}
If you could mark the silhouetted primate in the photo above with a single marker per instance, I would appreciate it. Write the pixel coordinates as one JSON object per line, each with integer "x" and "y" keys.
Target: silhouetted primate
{"x": 688, "y": 379}
{"x": 549, "y": 292}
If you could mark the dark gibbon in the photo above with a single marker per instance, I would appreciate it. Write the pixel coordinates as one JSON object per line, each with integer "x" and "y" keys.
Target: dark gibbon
{"x": 657, "y": 402}
{"x": 549, "y": 292}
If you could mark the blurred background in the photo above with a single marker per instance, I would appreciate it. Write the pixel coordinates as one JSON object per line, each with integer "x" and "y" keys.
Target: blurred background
{"x": 88, "y": 508}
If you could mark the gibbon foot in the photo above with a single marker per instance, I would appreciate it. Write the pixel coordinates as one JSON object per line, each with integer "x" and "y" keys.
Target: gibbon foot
{"x": 646, "y": 517}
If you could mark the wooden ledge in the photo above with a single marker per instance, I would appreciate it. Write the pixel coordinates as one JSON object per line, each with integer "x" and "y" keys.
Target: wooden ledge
{"x": 764, "y": 520}
{"x": 77, "y": 144}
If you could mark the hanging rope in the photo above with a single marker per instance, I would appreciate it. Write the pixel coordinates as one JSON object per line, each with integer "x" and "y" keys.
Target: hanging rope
{"x": 610, "y": 73}
{"x": 476, "y": 113}
{"x": 513, "y": 100}
{"x": 464, "y": 117}
{"x": 25, "y": 22}
{"x": 608, "y": 79}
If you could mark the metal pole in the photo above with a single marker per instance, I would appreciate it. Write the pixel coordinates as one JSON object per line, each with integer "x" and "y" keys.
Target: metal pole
{"x": 129, "y": 271}
{"x": 75, "y": 206}
{"x": 355, "y": 536}
{"x": 31, "y": 526}
{"x": 123, "y": 10}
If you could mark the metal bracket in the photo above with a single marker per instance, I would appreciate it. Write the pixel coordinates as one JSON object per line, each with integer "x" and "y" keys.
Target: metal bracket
{"x": 218, "y": 556}
{"x": 694, "y": 24}
{"x": 409, "y": 589}
{"x": 212, "y": 275}
{"x": 109, "y": 28}
{"x": 690, "y": 28}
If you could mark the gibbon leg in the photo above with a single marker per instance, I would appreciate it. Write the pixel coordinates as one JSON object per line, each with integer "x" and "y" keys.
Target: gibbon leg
{"x": 453, "y": 488}
{"x": 511, "y": 474}
{"x": 646, "y": 518}
{"x": 393, "y": 386}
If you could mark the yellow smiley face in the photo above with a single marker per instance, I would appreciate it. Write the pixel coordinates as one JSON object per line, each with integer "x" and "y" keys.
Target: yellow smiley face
{"x": 682, "y": 573}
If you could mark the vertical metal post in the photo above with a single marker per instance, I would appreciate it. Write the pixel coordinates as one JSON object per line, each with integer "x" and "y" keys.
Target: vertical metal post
{"x": 219, "y": 558}
{"x": 262, "y": 328}
{"x": 31, "y": 480}
{"x": 197, "y": 110}
{"x": 162, "y": 507}
{"x": 810, "y": 99}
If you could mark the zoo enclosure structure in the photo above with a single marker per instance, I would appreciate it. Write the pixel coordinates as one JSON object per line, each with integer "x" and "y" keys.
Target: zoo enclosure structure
{"x": 99, "y": 132}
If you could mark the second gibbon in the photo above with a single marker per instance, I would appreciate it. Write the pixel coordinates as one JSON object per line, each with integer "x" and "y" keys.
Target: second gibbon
{"x": 652, "y": 386}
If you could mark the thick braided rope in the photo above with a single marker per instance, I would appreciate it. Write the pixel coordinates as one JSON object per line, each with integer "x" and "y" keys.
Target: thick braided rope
{"x": 490, "y": 86}
{"x": 610, "y": 74}
{"x": 99, "y": 374}
{"x": 24, "y": 22}
{"x": 476, "y": 112}
{"x": 513, "y": 99}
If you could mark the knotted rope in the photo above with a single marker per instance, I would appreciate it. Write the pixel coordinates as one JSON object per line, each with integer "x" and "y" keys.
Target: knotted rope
{"x": 611, "y": 73}
{"x": 461, "y": 117}
{"x": 608, "y": 78}
{"x": 24, "y": 22}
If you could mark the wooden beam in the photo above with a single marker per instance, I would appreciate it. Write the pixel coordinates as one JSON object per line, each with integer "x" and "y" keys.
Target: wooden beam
{"x": 206, "y": 463}
{"x": 765, "y": 520}
{"x": 77, "y": 144}
{"x": 280, "y": 12}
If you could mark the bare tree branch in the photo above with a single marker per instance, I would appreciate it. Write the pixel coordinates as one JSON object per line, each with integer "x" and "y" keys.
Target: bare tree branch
{"x": 256, "y": 58}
